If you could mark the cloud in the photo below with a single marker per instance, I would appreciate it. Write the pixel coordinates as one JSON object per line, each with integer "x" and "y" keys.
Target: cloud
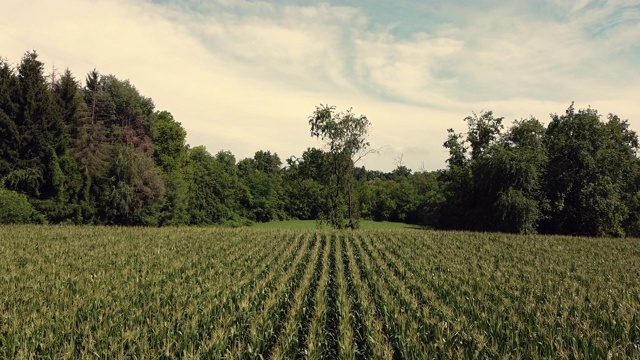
{"x": 244, "y": 75}
{"x": 404, "y": 69}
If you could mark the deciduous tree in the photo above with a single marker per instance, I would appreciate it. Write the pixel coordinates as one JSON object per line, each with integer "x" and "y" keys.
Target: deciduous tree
{"x": 345, "y": 136}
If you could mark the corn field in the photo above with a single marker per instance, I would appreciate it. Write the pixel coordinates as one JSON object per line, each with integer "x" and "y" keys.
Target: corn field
{"x": 98, "y": 292}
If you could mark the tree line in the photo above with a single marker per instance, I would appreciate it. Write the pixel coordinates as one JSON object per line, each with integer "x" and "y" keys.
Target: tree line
{"x": 100, "y": 153}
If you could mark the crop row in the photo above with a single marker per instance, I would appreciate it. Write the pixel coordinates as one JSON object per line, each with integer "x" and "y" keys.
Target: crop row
{"x": 74, "y": 292}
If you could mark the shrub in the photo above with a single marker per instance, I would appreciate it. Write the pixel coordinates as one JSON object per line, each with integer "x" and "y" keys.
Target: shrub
{"x": 16, "y": 209}
{"x": 237, "y": 221}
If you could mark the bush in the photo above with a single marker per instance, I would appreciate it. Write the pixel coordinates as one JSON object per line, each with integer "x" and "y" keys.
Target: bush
{"x": 237, "y": 221}
{"x": 16, "y": 209}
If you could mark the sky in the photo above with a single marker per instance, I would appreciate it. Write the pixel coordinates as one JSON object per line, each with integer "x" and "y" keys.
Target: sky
{"x": 246, "y": 75}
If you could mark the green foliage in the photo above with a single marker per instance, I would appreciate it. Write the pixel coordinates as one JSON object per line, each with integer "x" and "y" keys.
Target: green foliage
{"x": 314, "y": 293}
{"x": 456, "y": 145}
{"x": 170, "y": 154}
{"x": 517, "y": 212}
{"x": 267, "y": 163}
{"x": 100, "y": 103}
{"x": 132, "y": 190}
{"x": 237, "y": 221}
{"x": 102, "y": 154}
{"x": 132, "y": 113}
{"x": 345, "y": 135}
{"x": 71, "y": 105}
{"x": 428, "y": 187}
{"x": 261, "y": 176}
{"x": 483, "y": 132}
{"x": 303, "y": 185}
{"x": 216, "y": 192}
{"x": 508, "y": 181}
{"x": 395, "y": 200}
{"x": 577, "y": 176}
{"x": 9, "y": 146}
{"x": 591, "y": 166}
{"x": 23, "y": 179}
{"x": 16, "y": 209}
{"x": 39, "y": 128}
{"x": 304, "y": 199}
{"x": 169, "y": 142}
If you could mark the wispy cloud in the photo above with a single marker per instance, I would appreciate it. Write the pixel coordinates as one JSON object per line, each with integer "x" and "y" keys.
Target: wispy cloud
{"x": 244, "y": 75}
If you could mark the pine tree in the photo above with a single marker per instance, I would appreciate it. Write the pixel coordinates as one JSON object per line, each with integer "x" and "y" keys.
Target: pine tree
{"x": 9, "y": 146}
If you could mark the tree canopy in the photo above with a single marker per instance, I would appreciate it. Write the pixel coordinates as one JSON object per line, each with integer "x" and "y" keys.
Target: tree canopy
{"x": 345, "y": 136}
{"x": 99, "y": 152}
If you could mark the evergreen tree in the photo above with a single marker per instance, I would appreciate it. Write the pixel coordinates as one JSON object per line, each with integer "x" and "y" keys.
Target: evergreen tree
{"x": 10, "y": 144}
{"x": 43, "y": 140}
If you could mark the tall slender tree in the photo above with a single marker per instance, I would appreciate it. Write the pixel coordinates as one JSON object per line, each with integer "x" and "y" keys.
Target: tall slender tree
{"x": 10, "y": 144}
{"x": 170, "y": 154}
{"x": 345, "y": 135}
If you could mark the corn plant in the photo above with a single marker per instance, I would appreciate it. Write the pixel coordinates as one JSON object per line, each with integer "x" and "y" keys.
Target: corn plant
{"x": 111, "y": 292}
